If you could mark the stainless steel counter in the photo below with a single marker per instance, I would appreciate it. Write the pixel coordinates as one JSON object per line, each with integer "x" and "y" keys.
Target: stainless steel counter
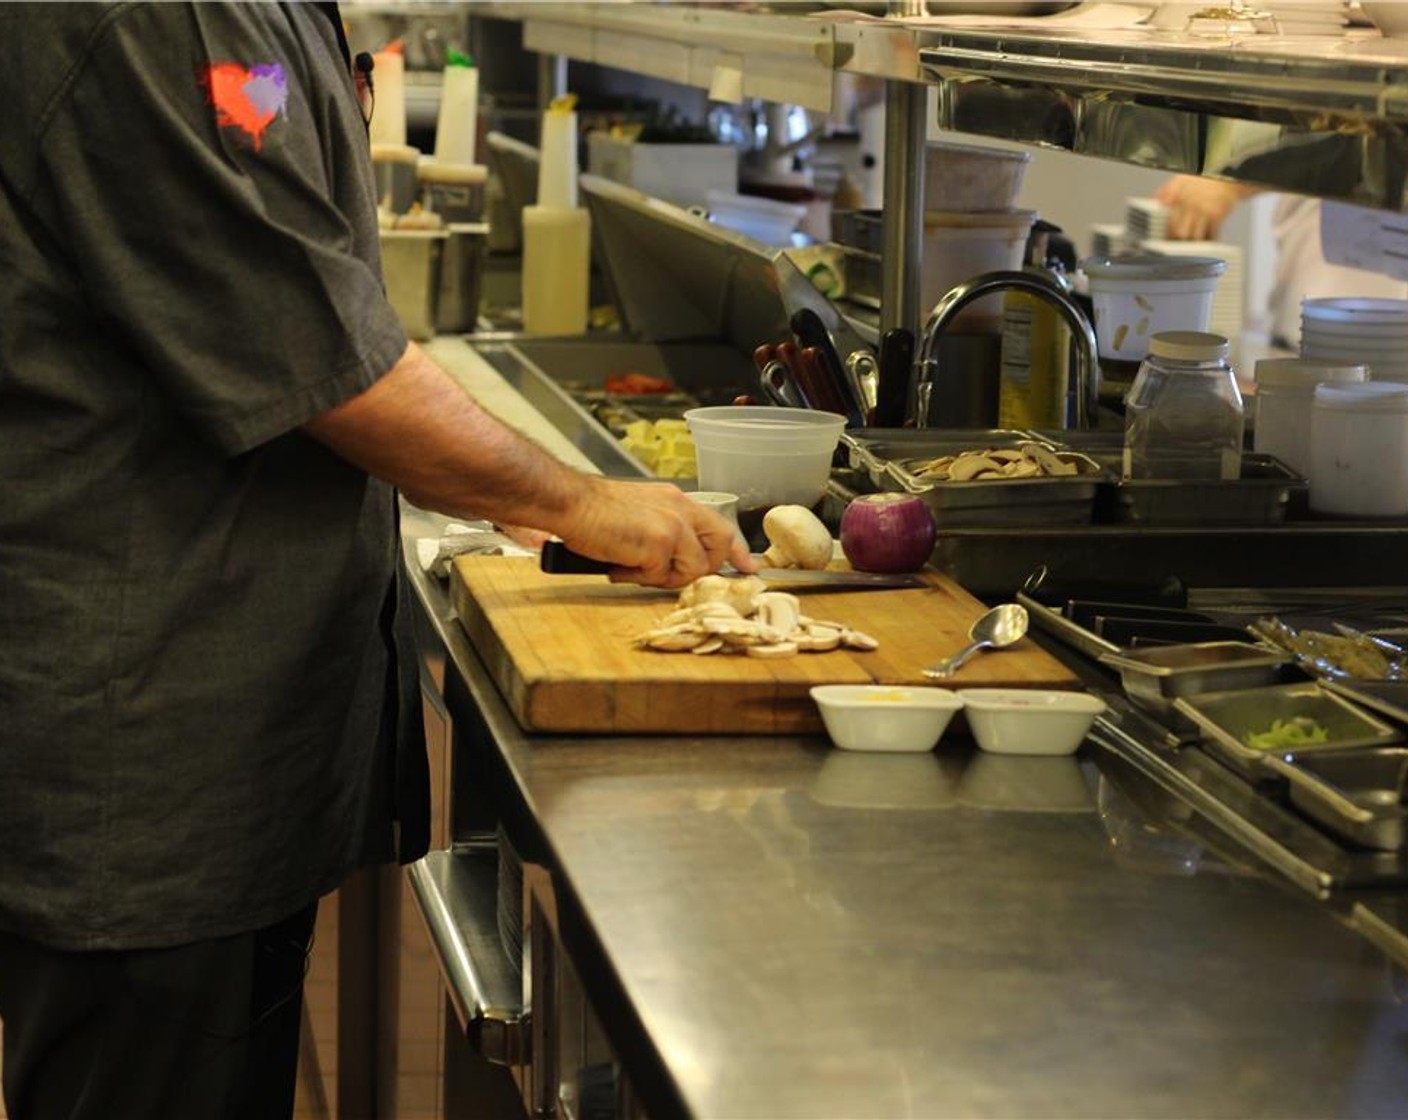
{"x": 773, "y": 928}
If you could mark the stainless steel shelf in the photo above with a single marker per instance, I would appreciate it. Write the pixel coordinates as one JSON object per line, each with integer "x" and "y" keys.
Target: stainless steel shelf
{"x": 735, "y": 54}
{"x": 1319, "y": 116}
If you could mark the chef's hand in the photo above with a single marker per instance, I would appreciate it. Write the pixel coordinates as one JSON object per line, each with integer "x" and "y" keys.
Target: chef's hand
{"x": 1197, "y": 207}
{"x": 653, "y": 533}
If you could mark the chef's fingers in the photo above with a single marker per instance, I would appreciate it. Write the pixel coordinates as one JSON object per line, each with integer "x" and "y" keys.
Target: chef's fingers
{"x": 722, "y": 541}
{"x": 672, "y": 556}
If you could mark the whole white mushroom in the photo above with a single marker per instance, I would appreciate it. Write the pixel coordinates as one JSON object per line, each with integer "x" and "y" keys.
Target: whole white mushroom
{"x": 796, "y": 539}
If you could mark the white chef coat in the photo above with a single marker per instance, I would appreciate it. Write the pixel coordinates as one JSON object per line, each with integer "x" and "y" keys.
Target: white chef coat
{"x": 1302, "y": 271}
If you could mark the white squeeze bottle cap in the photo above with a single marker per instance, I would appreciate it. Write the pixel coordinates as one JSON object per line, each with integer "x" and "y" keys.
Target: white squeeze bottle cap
{"x": 557, "y": 161}
{"x": 458, "y": 120}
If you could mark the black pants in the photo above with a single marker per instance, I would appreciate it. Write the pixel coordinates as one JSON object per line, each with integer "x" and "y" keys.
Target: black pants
{"x": 207, "y": 1031}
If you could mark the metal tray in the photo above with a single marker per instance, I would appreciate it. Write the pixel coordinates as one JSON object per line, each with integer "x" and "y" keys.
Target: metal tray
{"x": 1260, "y": 497}
{"x": 872, "y": 450}
{"x": 1263, "y": 495}
{"x": 1226, "y": 718}
{"x": 1355, "y": 794}
{"x": 1068, "y": 500}
{"x": 1155, "y": 678}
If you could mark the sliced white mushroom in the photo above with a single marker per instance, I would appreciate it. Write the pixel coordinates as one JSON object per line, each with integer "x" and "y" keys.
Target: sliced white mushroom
{"x": 709, "y": 645}
{"x": 857, "y": 639}
{"x": 675, "y": 638}
{"x": 817, "y": 639}
{"x": 706, "y": 589}
{"x": 773, "y": 649}
{"x": 743, "y": 593}
{"x": 969, "y": 467}
{"x": 779, "y": 610}
{"x": 700, "y": 611}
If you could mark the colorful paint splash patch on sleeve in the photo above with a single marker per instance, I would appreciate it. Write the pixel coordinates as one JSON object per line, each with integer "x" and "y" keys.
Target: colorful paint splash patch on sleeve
{"x": 246, "y": 98}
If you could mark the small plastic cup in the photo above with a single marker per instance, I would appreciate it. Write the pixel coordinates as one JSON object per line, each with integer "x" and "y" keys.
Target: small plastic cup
{"x": 720, "y": 501}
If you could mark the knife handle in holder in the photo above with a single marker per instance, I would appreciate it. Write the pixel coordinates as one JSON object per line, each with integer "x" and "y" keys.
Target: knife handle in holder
{"x": 560, "y": 560}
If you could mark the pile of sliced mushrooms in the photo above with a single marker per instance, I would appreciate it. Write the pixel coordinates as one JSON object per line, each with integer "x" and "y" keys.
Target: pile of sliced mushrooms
{"x": 1026, "y": 460}
{"x": 722, "y": 614}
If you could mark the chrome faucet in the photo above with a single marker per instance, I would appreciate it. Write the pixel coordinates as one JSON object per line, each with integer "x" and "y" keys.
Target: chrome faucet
{"x": 1087, "y": 371}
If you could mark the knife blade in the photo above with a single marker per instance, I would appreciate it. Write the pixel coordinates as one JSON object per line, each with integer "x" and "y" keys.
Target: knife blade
{"x": 558, "y": 559}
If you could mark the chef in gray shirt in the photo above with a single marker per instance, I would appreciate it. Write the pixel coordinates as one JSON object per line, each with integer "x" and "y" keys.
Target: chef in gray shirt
{"x": 208, "y": 714}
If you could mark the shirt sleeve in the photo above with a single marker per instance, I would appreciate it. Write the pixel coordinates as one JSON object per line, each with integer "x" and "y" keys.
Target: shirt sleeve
{"x": 207, "y": 169}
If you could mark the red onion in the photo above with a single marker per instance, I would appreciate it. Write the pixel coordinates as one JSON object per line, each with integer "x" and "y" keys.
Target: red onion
{"x": 887, "y": 533}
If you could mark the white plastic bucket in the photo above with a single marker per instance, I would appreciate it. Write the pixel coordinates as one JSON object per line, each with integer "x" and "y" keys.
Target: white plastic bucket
{"x": 1359, "y": 450}
{"x": 1285, "y": 392}
{"x": 960, "y": 246}
{"x": 972, "y": 177}
{"x": 1137, "y": 297}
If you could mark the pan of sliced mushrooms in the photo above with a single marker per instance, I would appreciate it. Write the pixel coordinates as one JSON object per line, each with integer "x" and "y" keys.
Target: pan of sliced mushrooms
{"x": 1022, "y": 481}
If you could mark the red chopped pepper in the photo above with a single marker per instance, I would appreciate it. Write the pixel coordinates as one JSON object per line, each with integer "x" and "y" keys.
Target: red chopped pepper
{"x": 637, "y": 383}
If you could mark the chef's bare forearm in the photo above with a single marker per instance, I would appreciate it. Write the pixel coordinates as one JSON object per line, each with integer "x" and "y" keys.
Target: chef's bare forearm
{"x": 418, "y": 430}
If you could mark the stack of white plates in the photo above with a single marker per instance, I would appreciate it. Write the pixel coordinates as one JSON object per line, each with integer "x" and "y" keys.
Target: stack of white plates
{"x": 1371, "y": 332}
{"x": 1227, "y": 300}
{"x": 1108, "y": 239}
{"x": 1305, "y": 17}
{"x": 1145, "y": 218}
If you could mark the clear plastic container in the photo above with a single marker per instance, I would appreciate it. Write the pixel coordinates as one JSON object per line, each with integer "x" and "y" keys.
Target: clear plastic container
{"x": 767, "y": 456}
{"x": 1183, "y": 415}
{"x": 1359, "y": 450}
{"x": 1285, "y": 390}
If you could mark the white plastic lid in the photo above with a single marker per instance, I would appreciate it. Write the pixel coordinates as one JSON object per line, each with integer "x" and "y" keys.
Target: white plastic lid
{"x": 1189, "y": 346}
{"x": 1152, "y": 266}
{"x": 1370, "y": 396}
{"x": 1306, "y": 373}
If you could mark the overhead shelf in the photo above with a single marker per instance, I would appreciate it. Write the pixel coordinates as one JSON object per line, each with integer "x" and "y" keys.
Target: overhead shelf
{"x": 1320, "y": 116}
{"x": 734, "y": 54}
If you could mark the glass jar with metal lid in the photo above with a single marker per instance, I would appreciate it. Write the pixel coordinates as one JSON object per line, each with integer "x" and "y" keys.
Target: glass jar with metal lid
{"x": 1183, "y": 415}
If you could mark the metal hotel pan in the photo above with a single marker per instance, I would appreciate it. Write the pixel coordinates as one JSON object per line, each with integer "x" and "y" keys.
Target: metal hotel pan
{"x": 1065, "y": 500}
{"x": 872, "y": 450}
{"x": 1155, "y": 678}
{"x": 1226, "y": 718}
{"x": 1355, "y": 794}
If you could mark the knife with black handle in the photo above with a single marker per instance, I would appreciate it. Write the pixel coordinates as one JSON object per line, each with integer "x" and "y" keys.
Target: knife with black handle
{"x": 810, "y": 330}
{"x": 558, "y": 559}
{"x": 896, "y": 365}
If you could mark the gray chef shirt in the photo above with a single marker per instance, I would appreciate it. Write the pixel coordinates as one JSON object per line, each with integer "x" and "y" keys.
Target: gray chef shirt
{"x": 199, "y": 692}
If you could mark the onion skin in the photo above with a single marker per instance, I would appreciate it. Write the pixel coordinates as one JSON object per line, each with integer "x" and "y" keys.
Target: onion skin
{"x": 887, "y": 533}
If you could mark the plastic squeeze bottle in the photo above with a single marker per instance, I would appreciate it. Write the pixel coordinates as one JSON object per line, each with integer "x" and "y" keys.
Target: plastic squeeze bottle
{"x": 557, "y": 233}
{"x": 458, "y": 121}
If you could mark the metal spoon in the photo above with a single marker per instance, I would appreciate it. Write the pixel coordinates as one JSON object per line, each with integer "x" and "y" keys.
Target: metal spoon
{"x": 999, "y": 627}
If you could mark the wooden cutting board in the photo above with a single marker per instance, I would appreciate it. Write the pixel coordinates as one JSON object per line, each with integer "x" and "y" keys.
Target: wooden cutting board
{"x": 560, "y": 649}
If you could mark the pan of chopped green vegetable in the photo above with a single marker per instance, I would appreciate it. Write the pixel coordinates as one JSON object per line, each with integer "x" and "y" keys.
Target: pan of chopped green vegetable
{"x": 1245, "y": 727}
